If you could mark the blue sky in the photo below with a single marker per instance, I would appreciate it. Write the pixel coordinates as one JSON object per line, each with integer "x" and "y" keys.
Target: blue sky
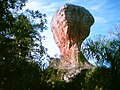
{"x": 105, "y": 12}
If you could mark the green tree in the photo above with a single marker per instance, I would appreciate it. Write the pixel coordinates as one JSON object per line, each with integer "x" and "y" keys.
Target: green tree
{"x": 20, "y": 44}
{"x": 106, "y": 52}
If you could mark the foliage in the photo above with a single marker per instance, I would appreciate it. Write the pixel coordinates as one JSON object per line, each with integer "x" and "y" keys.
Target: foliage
{"x": 20, "y": 41}
{"x": 20, "y": 31}
{"x": 107, "y": 54}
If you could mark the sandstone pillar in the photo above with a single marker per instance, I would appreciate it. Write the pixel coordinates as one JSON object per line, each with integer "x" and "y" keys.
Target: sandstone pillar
{"x": 70, "y": 26}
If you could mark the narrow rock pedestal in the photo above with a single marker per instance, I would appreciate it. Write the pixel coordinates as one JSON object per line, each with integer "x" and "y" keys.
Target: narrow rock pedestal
{"x": 70, "y": 26}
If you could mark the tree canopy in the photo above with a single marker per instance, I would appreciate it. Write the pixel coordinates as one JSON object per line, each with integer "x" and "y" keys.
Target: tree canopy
{"x": 20, "y": 45}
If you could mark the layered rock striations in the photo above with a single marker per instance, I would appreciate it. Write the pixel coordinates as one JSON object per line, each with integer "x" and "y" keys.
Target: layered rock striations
{"x": 70, "y": 26}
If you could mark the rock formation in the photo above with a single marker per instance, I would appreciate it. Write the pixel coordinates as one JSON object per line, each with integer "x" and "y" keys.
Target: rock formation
{"x": 70, "y": 26}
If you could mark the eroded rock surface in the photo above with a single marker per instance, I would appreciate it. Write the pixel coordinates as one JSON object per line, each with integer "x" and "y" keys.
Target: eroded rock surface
{"x": 70, "y": 26}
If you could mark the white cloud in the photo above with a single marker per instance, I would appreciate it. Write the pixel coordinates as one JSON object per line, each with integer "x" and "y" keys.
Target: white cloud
{"x": 70, "y": 1}
{"x": 33, "y": 5}
{"x": 49, "y": 8}
{"x": 100, "y": 20}
{"x": 42, "y": 6}
{"x": 96, "y": 6}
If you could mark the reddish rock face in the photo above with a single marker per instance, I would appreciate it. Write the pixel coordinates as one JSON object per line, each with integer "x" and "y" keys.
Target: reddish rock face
{"x": 70, "y": 26}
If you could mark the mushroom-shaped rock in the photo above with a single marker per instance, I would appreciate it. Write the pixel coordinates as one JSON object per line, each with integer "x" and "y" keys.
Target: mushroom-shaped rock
{"x": 70, "y": 26}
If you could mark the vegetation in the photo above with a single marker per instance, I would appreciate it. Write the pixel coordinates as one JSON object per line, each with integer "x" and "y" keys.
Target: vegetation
{"x": 21, "y": 53}
{"x": 106, "y": 52}
{"x": 20, "y": 46}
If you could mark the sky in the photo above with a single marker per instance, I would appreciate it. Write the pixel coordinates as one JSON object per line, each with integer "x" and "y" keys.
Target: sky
{"x": 105, "y": 12}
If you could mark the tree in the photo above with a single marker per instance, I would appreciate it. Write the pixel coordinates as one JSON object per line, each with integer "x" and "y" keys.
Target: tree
{"x": 107, "y": 54}
{"x": 20, "y": 43}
